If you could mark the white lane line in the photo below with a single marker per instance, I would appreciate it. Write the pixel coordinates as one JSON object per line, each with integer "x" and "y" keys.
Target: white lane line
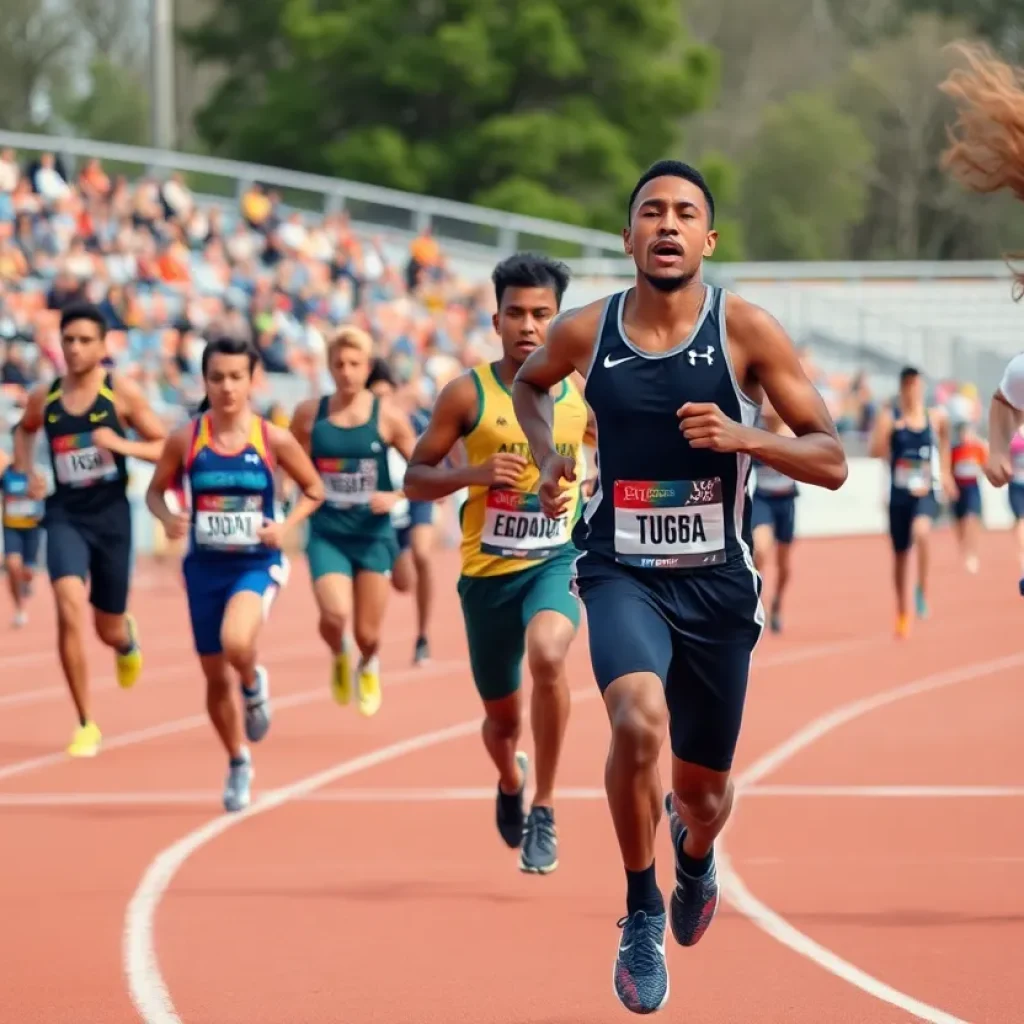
{"x": 146, "y": 984}
{"x": 736, "y": 891}
{"x": 178, "y": 725}
{"x": 885, "y": 792}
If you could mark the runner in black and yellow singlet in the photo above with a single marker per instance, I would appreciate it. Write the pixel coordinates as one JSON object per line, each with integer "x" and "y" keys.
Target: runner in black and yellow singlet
{"x": 85, "y": 415}
{"x": 352, "y": 544}
{"x": 516, "y": 563}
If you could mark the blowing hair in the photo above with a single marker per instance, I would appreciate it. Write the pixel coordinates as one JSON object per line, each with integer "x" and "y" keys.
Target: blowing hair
{"x": 225, "y": 346}
{"x": 986, "y": 150}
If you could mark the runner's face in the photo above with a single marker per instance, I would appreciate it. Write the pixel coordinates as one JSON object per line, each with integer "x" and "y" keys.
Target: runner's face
{"x": 523, "y": 319}
{"x": 912, "y": 390}
{"x": 669, "y": 234}
{"x": 228, "y": 383}
{"x": 82, "y": 345}
{"x": 350, "y": 369}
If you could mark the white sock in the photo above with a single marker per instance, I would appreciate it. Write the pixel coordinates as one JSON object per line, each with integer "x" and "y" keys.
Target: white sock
{"x": 346, "y": 644}
{"x": 371, "y": 664}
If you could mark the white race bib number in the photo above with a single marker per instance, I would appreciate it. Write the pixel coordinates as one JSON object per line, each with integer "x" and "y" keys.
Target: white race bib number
{"x": 230, "y": 523}
{"x": 515, "y": 527}
{"x": 348, "y": 482}
{"x": 912, "y": 475}
{"x": 84, "y": 467}
{"x": 22, "y": 508}
{"x": 967, "y": 470}
{"x": 669, "y": 524}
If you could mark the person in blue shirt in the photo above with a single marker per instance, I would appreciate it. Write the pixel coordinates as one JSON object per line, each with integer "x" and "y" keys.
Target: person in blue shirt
{"x": 22, "y": 533}
{"x": 234, "y": 566}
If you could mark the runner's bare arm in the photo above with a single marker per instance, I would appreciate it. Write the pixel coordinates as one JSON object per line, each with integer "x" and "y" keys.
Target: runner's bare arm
{"x": 814, "y": 455}
{"x": 5, "y": 461}
{"x": 456, "y": 409}
{"x": 568, "y": 348}
{"x": 293, "y": 459}
{"x": 27, "y": 428}
{"x": 943, "y": 434}
{"x": 881, "y": 434}
{"x": 136, "y": 412}
{"x": 301, "y": 426}
{"x": 398, "y": 430}
{"x": 165, "y": 476}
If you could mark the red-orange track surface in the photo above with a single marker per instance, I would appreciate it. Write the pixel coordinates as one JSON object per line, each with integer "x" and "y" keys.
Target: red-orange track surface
{"x": 386, "y": 895}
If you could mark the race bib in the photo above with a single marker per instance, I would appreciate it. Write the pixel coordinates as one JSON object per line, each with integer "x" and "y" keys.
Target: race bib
{"x": 22, "y": 508}
{"x": 912, "y": 475}
{"x": 229, "y": 523}
{"x": 968, "y": 470}
{"x": 348, "y": 482}
{"x": 80, "y": 464}
{"x": 669, "y": 524}
{"x": 771, "y": 481}
{"x": 515, "y": 527}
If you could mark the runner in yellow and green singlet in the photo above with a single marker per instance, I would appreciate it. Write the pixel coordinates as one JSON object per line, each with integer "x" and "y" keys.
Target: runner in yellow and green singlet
{"x": 352, "y": 545}
{"x": 516, "y": 563}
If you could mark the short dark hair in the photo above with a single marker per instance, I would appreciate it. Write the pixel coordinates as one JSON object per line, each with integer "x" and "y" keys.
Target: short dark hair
{"x": 531, "y": 270}
{"x": 380, "y": 373}
{"x": 673, "y": 169}
{"x": 83, "y": 311}
{"x": 227, "y": 346}
{"x": 909, "y": 373}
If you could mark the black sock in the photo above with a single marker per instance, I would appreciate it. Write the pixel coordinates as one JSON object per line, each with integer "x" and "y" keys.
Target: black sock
{"x": 694, "y": 867}
{"x": 642, "y": 892}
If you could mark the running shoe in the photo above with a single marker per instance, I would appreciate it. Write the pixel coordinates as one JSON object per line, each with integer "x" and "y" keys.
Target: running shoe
{"x": 694, "y": 900}
{"x": 129, "y": 662}
{"x": 20, "y": 619}
{"x": 341, "y": 678}
{"x": 421, "y": 655}
{"x": 775, "y": 618}
{"x": 510, "y": 814}
{"x": 641, "y": 973}
{"x": 237, "y": 795}
{"x": 920, "y": 603}
{"x": 257, "y": 706}
{"x": 902, "y": 626}
{"x": 368, "y": 684}
{"x": 86, "y": 741}
{"x": 539, "y": 853}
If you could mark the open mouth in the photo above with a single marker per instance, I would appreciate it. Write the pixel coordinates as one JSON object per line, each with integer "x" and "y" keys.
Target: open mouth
{"x": 668, "y": 250}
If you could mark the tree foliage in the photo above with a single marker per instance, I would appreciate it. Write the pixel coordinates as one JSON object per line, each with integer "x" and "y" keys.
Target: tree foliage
{"x": 548, "y": 107}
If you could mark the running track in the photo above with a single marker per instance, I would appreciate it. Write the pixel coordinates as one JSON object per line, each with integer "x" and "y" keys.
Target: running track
{"x": 875, "y": 863}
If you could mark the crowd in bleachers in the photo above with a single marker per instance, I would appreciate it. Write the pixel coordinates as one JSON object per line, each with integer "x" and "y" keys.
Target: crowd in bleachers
{"x": 169, "y": 272}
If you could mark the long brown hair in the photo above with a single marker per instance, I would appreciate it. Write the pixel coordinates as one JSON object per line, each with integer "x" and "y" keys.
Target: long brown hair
{"x": 986, "y": 150}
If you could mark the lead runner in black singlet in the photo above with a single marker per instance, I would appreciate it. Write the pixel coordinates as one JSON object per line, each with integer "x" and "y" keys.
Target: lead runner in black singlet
{"x": 85, "y": 415}
{"x": 676, "y": 371}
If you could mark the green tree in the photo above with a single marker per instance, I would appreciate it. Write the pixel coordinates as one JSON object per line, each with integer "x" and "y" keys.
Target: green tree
{"x": 548, "y": 107}
{"x": 114, "y": 108}
{"x": 804, "y": 180}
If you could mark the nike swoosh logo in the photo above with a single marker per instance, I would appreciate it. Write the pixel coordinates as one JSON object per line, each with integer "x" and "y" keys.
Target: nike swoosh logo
{"x": 609, "y": 362}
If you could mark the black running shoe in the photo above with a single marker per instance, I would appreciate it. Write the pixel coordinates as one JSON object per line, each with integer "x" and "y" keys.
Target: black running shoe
{"x": 539, "y": 854}
{"x": 421, "y": 654}
{"x": 641, "y": 974}
{"x": 510, "y": 814}
{"x": 775, "y": 620}
{"x": 694, "y": 900}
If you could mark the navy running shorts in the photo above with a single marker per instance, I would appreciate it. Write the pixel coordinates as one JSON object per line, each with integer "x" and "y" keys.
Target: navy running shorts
{"x": 902, "y": 513}
{"x": 968, "y": 501}
{"x": 695, "y": 631}
{"x": 210, "y": 586}
{"x": 777, "y": 511}
{"x": 97, "y": 548}
{"x": 1017, "y": 500}
{"x": 421, "y": 513}
{"x": 23, "y": 543}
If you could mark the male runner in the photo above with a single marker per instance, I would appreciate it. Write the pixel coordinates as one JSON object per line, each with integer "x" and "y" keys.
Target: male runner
{"x": 516, "y": 564}
{"x": 773, "y": 518}
{"x": 85, "y": 414}
{"x": 672, "y": 597}
{"x": 915, "y": 440}
{"x": 21, "y": 518}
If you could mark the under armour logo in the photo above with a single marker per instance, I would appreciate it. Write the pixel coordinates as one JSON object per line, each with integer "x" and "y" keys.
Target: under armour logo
{"x": 706, "y": 356}
{"x": 252, "y": 457}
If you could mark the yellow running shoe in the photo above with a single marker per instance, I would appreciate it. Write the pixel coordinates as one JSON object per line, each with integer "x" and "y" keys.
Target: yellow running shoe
{"x": 902, "y": 626}
{"x": 129, "y": 664}
{"x": 370, "y": 696}
{"x": 86, "y": 741}
{"x": 341, "y": 678}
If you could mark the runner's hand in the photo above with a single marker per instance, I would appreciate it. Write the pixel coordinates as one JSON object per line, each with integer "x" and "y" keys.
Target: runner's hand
{"x": 554, "y": 498}
{"x": 949, "y": 485}
{"x": 36, "y": 485}
{"x": 998, "y": 470}
{"x": 501, "y": 470}
{"x": 704, "y": 425}
{"x": 176, "y": 525}
{"x": 104, "y": 437}
{"x": 272, "y": 534}
{"x": 382, "y": 502}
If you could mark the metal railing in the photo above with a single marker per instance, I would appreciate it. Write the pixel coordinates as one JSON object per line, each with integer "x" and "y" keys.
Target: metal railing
{"x": 448, "y": 219}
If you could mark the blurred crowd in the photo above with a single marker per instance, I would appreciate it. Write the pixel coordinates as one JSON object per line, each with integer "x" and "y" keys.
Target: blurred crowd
{"x": 169, "y": 272}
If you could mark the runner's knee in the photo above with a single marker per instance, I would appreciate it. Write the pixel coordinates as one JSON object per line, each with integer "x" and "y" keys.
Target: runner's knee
{"x": 546, "y": 649}
{"x": 705, "y": 798}
{"x": 639, "y": 718}
{"x": 503, "y": 718}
